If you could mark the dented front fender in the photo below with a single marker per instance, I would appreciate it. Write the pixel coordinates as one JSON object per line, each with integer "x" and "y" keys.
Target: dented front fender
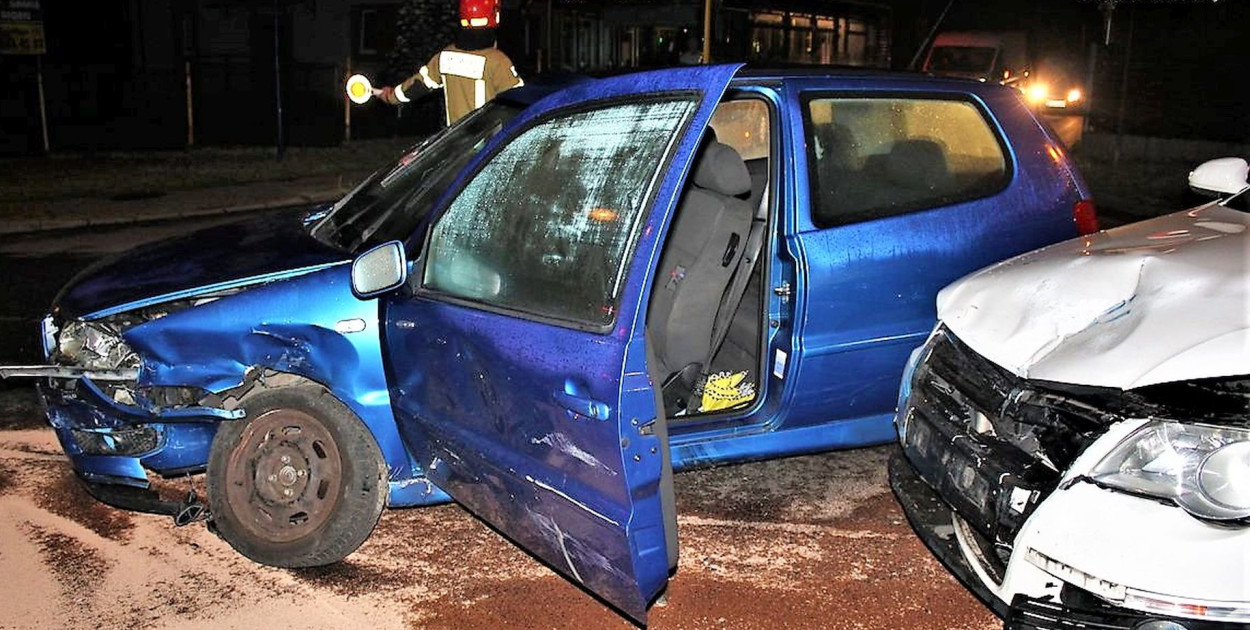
{"x": 310, "y": 326}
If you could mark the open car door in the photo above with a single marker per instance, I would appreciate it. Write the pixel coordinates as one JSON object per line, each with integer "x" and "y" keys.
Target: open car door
{"x": 517, "y": 355}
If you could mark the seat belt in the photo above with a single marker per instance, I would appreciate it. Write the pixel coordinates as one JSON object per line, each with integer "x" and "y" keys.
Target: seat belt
{"x": 732, "y": 297}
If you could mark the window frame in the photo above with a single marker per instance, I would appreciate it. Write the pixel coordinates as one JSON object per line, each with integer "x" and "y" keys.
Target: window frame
{"x": 366, "y": 14}
{"x": 809, "y": 154}
{"x": 417, "y": 280}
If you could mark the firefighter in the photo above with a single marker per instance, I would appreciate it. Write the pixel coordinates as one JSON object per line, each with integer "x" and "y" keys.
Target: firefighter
{"x": 470, "y": 71}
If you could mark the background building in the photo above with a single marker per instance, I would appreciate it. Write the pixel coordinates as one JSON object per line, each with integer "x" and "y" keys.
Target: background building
{"x": 139, "y": 74}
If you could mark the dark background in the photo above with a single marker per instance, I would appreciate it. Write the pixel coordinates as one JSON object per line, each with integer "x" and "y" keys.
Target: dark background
{"x": 116, "y": 72}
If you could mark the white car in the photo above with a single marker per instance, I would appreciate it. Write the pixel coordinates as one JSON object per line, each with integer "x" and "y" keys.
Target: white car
{"x": 1076, "y": 431}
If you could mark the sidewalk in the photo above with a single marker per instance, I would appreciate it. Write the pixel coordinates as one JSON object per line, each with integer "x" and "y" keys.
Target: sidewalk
{"x": 74, "y": 191}
{"x": 38, "y": 216}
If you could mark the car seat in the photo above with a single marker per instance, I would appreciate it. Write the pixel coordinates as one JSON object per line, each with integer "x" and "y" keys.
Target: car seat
{"x": 707, "y": 238}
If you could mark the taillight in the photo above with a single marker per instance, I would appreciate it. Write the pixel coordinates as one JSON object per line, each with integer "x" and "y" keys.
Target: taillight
{"x": 1085, "y": 215}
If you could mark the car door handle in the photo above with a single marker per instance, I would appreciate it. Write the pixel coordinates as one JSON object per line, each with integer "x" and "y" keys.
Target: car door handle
{"x": 575, "y": 400}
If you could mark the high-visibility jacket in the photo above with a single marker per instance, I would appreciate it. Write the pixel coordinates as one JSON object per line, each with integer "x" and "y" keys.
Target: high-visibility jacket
{"x": 468, "y": 78}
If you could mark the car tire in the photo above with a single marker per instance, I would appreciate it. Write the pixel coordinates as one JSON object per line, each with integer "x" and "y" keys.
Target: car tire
{"x": 299, "y": 482}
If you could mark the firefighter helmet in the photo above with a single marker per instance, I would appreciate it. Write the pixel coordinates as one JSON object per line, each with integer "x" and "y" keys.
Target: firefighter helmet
{"x": 479, "y": 13}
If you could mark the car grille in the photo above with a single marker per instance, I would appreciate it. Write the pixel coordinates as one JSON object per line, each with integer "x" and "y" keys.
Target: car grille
{"x": 991, "y": 444}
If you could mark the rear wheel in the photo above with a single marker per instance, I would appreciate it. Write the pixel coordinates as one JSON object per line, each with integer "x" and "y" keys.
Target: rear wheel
{"x": 299, "y": 482}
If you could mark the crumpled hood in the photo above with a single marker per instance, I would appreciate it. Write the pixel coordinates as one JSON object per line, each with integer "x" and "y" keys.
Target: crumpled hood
{"x": 151, "y": 273}
{"x": 1158, "y": 301}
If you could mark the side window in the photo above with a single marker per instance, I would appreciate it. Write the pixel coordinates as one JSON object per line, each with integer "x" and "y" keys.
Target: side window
{"x": 744, "y": 125}
{"x": 878, "y": 157}
{"x": 545, "y": 226}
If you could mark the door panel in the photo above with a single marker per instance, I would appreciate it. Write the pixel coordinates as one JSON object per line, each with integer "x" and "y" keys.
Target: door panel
{"x": 519, "y": 365}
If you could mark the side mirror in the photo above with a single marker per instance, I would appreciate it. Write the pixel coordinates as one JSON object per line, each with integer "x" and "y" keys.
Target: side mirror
{"x": 379, "y": 270}
{"x": 1223, "y": 176}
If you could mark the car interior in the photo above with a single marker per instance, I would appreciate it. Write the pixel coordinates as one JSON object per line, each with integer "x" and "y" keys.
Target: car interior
{"x": 706, "y": 308}
{"x": 875, "y": 158}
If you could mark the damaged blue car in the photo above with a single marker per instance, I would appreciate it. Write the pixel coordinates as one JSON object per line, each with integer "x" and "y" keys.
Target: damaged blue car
{"x": 546, "y": 309}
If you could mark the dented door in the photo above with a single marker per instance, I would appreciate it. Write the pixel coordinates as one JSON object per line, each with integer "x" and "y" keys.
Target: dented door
{"x": 517, "y": 358}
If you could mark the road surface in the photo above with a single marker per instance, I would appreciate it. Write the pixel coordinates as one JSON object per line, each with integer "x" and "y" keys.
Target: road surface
{"x": 1067, "y": 126}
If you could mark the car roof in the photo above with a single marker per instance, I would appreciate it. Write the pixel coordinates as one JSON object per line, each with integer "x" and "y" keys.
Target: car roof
{"x": 541, "y": 85}
{"x": 782, "y": 72}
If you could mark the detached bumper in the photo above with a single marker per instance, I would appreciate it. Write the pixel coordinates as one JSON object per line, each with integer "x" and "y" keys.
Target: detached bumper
{"x": 930, "y": 517}
{"x": 129, "y": 497}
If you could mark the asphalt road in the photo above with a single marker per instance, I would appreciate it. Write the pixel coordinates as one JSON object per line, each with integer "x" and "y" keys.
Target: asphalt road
{"x": 805, "y": 542}
{"x": 1068, "y": 127}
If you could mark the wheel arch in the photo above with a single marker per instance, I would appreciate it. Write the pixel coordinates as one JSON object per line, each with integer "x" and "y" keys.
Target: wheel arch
{"x": 378, "y": 419}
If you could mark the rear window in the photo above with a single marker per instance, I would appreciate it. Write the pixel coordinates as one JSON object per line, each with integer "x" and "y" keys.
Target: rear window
{"x": 878, "y": 157}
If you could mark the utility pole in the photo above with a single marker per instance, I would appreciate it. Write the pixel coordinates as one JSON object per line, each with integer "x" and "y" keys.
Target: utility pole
{"x": 707, "y": 31}
{"x": 277, "y": 78}
{"x": 924, "y": 45}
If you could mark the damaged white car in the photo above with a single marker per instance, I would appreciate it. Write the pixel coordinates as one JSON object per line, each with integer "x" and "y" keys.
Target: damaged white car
{"x": 1076, "y": 431}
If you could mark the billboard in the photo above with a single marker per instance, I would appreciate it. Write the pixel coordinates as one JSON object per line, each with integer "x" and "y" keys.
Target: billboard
{"x": 21, "y": 28}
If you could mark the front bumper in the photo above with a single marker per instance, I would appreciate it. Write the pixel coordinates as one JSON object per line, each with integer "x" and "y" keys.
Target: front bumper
{"x": 110, "y": 444}
{"x": 931, "y": 518}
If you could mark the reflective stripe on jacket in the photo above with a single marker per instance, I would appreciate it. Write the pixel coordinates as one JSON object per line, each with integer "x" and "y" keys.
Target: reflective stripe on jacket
{"x": 469, "y": 78}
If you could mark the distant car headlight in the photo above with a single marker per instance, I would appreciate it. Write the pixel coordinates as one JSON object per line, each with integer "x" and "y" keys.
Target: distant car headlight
{"x": 1203, "y": 469}
{"x": 1074, "y": 95}
{"x": 1038, "y": 92}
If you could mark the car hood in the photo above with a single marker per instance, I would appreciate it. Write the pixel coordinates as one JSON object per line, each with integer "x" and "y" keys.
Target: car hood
{"x": 261, "y": 248}
{"x": 1158, "y": 301}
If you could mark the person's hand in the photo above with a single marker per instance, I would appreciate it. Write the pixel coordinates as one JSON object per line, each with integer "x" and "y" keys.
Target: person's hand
{"x": 387, "y": 94}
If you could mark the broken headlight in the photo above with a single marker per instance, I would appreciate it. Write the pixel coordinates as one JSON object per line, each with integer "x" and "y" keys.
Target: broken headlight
{"x": 96, "y": 344}
{"x": 1203, "y": 469}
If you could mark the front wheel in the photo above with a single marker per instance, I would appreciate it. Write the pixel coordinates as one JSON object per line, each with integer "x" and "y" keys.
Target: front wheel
{"x": 299, "y": 482}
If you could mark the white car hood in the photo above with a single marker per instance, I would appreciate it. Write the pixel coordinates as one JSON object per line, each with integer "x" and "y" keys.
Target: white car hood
{"x": 1158, "y": 301}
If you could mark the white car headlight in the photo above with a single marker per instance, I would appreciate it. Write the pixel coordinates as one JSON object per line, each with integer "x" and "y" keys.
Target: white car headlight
{"x": 96, "y": 345}
{"x": 1204, "y": 469}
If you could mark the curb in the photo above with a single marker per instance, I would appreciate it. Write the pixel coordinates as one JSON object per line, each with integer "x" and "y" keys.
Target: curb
{"x": 30, "y": 226}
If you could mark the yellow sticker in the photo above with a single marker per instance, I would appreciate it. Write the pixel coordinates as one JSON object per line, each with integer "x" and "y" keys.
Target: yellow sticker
{"x": 725, "y": 390}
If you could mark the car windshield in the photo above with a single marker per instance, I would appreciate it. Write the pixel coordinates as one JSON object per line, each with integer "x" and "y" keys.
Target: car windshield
{"x": 392, "y": 202}
{"x": 961, "y": 59}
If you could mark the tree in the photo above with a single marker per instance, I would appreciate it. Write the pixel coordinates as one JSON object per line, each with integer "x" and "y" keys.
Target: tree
{"x": 423, "y": 27}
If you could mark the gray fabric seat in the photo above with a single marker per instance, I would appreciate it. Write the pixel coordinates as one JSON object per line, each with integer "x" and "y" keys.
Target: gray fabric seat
{"x": 912, "y": 174}
{"x": 704, "y": 245}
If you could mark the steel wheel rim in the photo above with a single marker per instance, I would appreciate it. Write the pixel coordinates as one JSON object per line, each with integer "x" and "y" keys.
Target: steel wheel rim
{"x": 285, "y": 476}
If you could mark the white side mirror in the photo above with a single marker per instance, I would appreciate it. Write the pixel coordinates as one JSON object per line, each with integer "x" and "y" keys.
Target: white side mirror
{"x": 1223, "y": 176}
{"x": 379, "y": 270}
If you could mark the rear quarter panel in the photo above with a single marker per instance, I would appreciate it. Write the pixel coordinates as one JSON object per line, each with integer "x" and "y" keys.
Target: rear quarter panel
{"x": 867, "y": 291}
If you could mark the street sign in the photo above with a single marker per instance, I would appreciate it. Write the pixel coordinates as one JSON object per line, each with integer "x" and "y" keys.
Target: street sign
{"x": 21, "y": 28}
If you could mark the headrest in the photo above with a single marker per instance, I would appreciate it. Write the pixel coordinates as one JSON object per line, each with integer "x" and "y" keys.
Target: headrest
{"x": 722, "y": 170}
{"x": 920, "y": 162}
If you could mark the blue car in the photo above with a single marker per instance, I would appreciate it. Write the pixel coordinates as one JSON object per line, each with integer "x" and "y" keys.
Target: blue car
{"x": 545, "y": 310}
